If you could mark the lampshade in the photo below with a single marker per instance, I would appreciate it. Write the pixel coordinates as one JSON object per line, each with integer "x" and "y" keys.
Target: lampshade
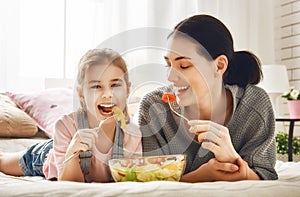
{"x": 275, "y": 79}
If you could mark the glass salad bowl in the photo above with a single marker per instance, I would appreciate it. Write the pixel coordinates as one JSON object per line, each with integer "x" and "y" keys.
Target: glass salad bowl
{"x": 148, "y": 168}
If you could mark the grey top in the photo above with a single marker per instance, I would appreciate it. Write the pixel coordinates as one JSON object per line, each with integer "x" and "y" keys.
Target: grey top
{"x": 251, "y": 129}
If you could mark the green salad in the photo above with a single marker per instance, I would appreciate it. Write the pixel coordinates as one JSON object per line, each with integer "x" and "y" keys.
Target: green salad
{"x": 146, "y": 169}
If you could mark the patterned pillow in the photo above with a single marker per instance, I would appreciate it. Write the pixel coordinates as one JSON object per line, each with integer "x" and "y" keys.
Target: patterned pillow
{"x": 46, "y": 106}
{"x": 13, "y": 121}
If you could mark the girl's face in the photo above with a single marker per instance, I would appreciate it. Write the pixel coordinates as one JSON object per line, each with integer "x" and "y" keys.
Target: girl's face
{"x": 103, "y": 88}
{"x": 191, "y": 74}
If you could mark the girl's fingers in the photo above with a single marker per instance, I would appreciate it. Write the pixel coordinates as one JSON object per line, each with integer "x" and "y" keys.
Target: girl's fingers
{"x": 83, "y": 147}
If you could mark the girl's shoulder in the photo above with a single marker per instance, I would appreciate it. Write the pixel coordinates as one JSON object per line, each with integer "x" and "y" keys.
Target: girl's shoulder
{"x": 66, "y": 121}
{"x": 70, "y": 117}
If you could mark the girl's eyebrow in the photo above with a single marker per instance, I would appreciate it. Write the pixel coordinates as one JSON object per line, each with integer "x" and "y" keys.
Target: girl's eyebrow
{"x": 94, "y": 81}
{"x": 117, "y": 80}
{"x": 113, "y": 80}
{"x": 178, "y": 58}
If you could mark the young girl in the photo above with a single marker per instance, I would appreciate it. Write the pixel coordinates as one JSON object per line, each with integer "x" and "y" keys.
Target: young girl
{"x": 81, "y": 148}
{"x": 229, "y": 134}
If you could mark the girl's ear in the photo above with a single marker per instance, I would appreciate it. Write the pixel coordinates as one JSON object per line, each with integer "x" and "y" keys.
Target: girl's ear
{"x": 221, "y": 63}
{"x": 80, "y": 92}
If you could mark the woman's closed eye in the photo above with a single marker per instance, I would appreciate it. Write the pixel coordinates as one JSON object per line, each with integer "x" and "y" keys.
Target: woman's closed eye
{"x": 184, "y": 66}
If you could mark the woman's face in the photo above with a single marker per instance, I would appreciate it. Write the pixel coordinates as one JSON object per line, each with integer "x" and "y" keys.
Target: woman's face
{"x": 103, "y": 88}
{"x": 190, "y": 73}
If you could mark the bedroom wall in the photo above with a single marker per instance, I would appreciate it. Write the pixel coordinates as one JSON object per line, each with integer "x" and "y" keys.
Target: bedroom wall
{"x": 288, "y": 38}
{"x": 287, "y": 45}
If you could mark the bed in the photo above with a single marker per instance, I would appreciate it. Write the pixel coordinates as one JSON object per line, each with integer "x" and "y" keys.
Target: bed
{"x": 288, "y": 183}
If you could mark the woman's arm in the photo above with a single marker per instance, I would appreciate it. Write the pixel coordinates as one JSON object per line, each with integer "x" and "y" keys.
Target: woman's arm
{"x": 218, "y": 171}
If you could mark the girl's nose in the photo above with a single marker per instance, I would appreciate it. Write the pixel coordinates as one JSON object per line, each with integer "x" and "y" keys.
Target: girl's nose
{"x": 173, "y": 75}
{"x": 107, "y": 93}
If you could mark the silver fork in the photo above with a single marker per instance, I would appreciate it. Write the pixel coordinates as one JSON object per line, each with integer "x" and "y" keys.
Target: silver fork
{"x": 102, "y": 121}
{"x": 178, "y": 114}
{"x": 78, "y": 152}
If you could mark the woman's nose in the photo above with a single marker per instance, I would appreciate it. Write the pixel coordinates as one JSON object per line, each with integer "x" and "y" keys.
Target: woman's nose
{"x": 173, "y": 75}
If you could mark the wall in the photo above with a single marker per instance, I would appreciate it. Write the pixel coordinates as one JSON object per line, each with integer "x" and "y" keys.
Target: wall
{"x": 287, "y": 43}
{"x": 288, "y": 38}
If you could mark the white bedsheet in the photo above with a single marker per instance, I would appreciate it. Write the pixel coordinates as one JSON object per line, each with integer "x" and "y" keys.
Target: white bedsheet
{"x": 288, "y": 183}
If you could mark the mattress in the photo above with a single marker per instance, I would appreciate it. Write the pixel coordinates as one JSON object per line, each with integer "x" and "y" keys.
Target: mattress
{"x": 288, "y": 183}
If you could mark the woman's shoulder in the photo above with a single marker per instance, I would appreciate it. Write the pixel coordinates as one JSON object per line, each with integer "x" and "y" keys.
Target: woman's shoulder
{"x": 257, "y": 99}
{"x": 254, "y": 93}
{"x": 152, "y": 103}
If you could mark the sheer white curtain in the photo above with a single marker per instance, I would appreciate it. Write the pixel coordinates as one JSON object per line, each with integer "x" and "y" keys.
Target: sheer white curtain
{"x": 31, "y": 47}
{"x": 42, "y": 39}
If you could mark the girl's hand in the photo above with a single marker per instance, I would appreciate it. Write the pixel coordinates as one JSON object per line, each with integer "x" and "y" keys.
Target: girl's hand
{"x": 216, "y": 138}
{"x": 83, "y": 140}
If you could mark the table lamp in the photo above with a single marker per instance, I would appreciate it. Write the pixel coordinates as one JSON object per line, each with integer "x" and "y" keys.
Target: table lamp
{"x": 275, "y": 82}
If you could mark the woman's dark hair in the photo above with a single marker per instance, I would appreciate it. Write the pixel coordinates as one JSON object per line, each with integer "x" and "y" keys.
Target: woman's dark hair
{"x": 243, "y": 66}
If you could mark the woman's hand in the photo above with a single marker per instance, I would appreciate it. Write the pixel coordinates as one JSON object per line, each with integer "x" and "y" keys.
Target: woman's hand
{"x": 214, "y": 170}
{"x": 216, "y": 138}
{"x": 221, "y": 171}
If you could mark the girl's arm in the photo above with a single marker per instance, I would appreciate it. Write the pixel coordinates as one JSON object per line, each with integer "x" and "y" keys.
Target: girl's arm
{"x": 72, "y": 171}
{"x": 67, "y": 140}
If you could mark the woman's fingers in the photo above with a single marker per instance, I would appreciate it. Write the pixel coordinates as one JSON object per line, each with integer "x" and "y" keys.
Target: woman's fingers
{"x": 200, "y": 126}
{"x": 198, "y": 129}
{"x": 203, "y": 122}
{"x": 223, "y": 166}
{"x": 209, "y": 136}
{"x": 211, "y": 146}
{"x": 198, "y": 122}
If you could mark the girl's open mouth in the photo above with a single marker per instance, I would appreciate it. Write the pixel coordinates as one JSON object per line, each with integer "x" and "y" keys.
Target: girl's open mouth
{"x": 106, "y": 109}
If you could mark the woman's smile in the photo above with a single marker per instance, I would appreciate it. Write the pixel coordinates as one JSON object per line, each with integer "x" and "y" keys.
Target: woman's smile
{"x": 180, "y": 90}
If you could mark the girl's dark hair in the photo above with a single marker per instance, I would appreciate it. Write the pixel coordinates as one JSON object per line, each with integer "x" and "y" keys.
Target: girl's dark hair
{"x": 243, "y": 66}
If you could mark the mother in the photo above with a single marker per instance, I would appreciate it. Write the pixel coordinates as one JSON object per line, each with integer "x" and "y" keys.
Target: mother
{"x": 230, "y": 135}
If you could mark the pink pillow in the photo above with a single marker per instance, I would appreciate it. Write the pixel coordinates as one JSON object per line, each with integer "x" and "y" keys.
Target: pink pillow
{"x": 46, "y": 106}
